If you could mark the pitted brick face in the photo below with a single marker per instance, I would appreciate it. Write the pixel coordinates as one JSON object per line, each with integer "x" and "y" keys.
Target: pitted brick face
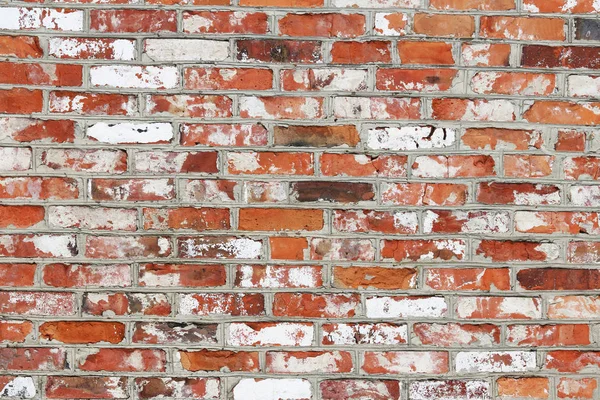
{"x": 300, "y": 199}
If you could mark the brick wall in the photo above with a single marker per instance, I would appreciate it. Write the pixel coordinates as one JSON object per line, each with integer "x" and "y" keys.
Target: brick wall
{"x": 299, "y": 199}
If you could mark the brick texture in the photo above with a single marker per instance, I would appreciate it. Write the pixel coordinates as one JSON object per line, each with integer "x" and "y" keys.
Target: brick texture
{"x": 300, "y": 199}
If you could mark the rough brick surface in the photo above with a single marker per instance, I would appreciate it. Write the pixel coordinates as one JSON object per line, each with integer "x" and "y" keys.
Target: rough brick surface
{"x": 300, "y": 199}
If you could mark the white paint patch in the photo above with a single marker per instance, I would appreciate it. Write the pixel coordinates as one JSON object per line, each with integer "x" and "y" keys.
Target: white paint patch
{"x": 272, "y": 389}
{"x": 92, "y": 218}
{"x": 528, "y": 220}
{"x": 22, "y": 387}
{"x": 73, "y": 48}
{"x": 15, "y": 158}
{"x": 373, "y": 334}
{"x": 282, "y": 362}
{"x": 332, "y": 79}
{"x": 377, "y": 3}
{"x": 18, "y": 18}
{"x": 466, "y": 307}
{"x": 239, "y": 248}
{"x": 278, "y": 277}
{"x": 187, "y": 50}
{"x": 476, "y": 54}
{"x": 406, "y": 307}
{"x": 280, "y": 334}
{"x": 135, "y": 76}
{"x": 130, "y": 133}
{"x": 487, "y": 361}
{"x": 583, "y": 86}
{"x": 491, "y": 110}
{"x": 54, "y": 245}
{"x": 430, "y": 167}
{"x": 410, "y": 138}
{"x": 260, "y": 192}
{"x": 382, "y": 25}
{"x": 588, "y": 196}
{"x": 429, "y": 390}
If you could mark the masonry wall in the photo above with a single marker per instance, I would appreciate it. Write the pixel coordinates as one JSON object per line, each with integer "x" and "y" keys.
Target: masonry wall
{"x": 299, "y": 199}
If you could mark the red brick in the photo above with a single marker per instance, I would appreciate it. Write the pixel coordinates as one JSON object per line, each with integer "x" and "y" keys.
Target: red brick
{"x": 223, "y": 135}
{"x": 528, "y": 166}
{"x": 32, "y": 130}
{"x": 61, "y": 387}
{"x": 361, "y": 52}
{"x": 131, "y": 20}
{"x": 548, "y": 335}
{"x": 271, "y": 219}
{"x": 41, "y": 74}
{"x": 453, "y": 334}
{"x": 127, "y": 246}
{"x": 514, "y": 83}
{"x": 211, "y": 360}
{"x": 327, "y": 25}
{"x": 444, "y": 25}
{"x": 419, "y": 80}
{"x": 233, "y": 304}
{"x": 417, "y": 194}
{"x": 228, "y": 78}
{"x": 393, "y": 166}
{"x": 488, "y": 307}
{"x": 262, "y": 163}
{"x": 150, "y": 388}
{"x": 20, "y": 47}
{"x": 518, "y": 388}
{"x": 85, "y": 160}
{"x": 434, "y": 53}
{"x": 225, "y": 22}
{"x": 15, "y": 331}
{"x": 20, "y": 216}
{"x": 506, "y": 251}
{"x": 198, "y": 219}
{"x": 517, "y": 193}
{"x": 33, "y": 359}
{"x": 486, "y": 279}
{"x": 279, "y": 51}
{"x": 293, "y": 362}
{"x": 375, "y": 221}
{"x": 195, "y": 106}
{"x": 486, "y": 54}
{"x": 122, "y": 360}
{"x": 572, "y": 361}
{"x": 184, "y": 275}
{"x": 91, "y": 103}
{"x": 522, "y": 28}
{"x": 416, "y": 250}
{"x": 73, "y": 332}
{"x": 20, "y": 101}
{"x": 84, "y": 275}
{"x": 374, "y": 277}
{"x": 315, "y": 305}
{"x": 404, "y": 362}
{"x": 287, "y": 248}
{"x": 355, "y": 389}
{"x": 538, "y": 56}
{"x": 473, "y": 110}
{"x": 99, "y": 304}
{"x": 570, "y": 141}
{"x": 132, "y": 189}
{"x": 495, "y": 138}
{"x": 572, "y": 388}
